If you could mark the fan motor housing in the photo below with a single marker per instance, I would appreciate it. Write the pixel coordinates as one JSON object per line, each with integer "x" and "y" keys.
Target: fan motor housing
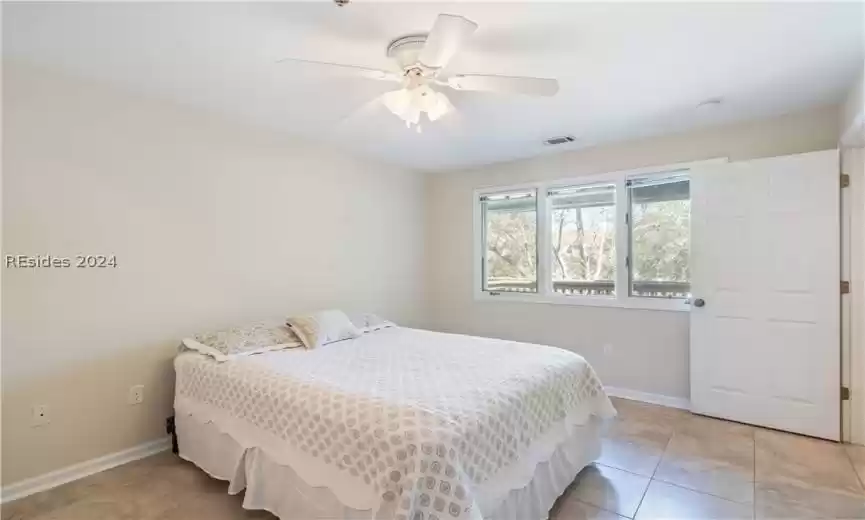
{"x": 406, "y": 49}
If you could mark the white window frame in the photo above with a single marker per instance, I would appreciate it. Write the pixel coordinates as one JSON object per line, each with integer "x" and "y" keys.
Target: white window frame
{"x": 545, "y": 294}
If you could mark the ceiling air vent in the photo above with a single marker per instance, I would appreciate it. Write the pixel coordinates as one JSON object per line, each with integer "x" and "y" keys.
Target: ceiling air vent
{"x": 562, "y": 139}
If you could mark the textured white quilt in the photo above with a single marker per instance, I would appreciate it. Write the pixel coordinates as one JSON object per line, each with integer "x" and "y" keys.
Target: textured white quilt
{"x": 420, "y": 419}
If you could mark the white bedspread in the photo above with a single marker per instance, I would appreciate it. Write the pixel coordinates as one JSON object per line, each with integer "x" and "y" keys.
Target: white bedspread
{"x": 441, "y": 425}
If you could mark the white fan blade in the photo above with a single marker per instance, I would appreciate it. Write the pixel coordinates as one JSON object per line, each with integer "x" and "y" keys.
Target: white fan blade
{"x": 448, "y": 33}
{"x": 361, "y": 115}
{"x": 506, "y": 84}
{"x": 353, "y": 70}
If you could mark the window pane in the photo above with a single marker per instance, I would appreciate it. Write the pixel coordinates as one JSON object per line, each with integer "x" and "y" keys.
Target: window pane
{"x": 660, "y": 237}
{"x": 583, "y": 240}
{"x": 510, "y": 233}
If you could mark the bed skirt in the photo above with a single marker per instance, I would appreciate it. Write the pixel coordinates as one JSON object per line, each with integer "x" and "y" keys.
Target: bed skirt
{"x": 278, "y": 489}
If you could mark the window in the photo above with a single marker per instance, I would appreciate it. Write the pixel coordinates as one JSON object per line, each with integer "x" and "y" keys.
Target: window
{"x": 583, "y": 240}
{"x": 510, "y": 258}
{"x": 660, "y": 232}
{"x": 617, "y": 239}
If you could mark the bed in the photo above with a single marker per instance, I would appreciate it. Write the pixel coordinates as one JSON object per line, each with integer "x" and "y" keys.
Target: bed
{"x": 398, "y": 424}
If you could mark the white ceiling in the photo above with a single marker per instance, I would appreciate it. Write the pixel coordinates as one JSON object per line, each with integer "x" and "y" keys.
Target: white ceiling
{"x": 626, "y": 70}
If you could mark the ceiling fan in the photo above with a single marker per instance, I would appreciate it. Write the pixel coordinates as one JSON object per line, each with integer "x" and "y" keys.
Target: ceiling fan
{"x": 420, "y": 59}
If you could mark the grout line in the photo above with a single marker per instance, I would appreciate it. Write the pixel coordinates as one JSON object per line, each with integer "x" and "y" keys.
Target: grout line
{"x": 852, "y": 465}
{"x": 725, "y": 499}
{"x": 654, "y": 471}
{"x": 664, "y": 452}
{"x": 754, "y": 473}
{"x": 622, "y": 470}
{"x": 616, "y": 513}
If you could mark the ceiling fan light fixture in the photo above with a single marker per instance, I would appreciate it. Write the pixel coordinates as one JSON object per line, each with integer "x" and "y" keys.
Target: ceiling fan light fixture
{"x": 397, "y": 101}
{"x": 409, "y": 104}
{"x": 440, "y": 108}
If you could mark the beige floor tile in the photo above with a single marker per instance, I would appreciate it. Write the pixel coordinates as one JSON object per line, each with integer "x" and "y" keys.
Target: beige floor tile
{"x": 802, "y": 461}
{"x": 569, "y": 508}
{"x": 635, "y": 445}
{"x": 150, "y": 502}
{"x": 223, "y": 507}
{"x": 666, "y": 501}
{"x": 636, "y": 410}
{"x": 778, "y": 501}
{"x": 701, "y": 425}
{"x": 636, "y": 439}
{"x": 92, "y": 489}
{"x": 611, "y": 489}
{"x": 857, "y": 457}
{"x": 631, "y": 453}
{"x": 711, "y": 456}
{"x": 144, "y": 489}
{"x": 39, "y": 503}
{"x": 90, "y": 509}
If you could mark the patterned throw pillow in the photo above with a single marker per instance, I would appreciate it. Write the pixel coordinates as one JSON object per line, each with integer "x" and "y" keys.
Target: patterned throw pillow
{"x": 369, "y": 322}
{"x": 234, "y": 342}
{"x": 321, "y": 328}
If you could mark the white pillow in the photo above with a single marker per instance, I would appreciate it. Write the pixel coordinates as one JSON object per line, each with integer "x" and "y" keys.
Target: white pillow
{"x": 321, "y": 328}
{"x": 234, "y": 342}
{"x": 369, "y": 322}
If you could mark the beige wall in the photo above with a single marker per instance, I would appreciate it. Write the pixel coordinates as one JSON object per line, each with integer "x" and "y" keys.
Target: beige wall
{"x": 647, "y": 351}
{"x": 853, "y": 113}
{"x": 212, "y": 223}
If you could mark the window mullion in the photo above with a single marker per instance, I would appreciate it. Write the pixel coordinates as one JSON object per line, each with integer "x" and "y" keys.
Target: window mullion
{"x": 479, "y": 248}
{"x": 623, "y": 245}
{"x": 545, "y": 283}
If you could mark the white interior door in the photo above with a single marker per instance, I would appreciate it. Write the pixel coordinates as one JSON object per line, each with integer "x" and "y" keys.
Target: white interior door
{"x": 765, "y": 344}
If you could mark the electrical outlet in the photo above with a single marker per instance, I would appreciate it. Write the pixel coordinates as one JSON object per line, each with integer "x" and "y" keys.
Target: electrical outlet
{"x": 136, "y": 394}
{"x": 39, "y": 415}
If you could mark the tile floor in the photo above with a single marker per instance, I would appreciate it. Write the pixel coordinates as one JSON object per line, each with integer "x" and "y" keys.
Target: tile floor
{"x": 657, "y": 463}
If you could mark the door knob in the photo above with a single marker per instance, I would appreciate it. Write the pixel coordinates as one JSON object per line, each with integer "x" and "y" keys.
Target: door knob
{"x": 699, "y": 302}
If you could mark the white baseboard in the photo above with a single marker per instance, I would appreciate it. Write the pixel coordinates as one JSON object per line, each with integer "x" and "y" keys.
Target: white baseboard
{"x": 82, "y": 469}
{"x": 636, "y": 395}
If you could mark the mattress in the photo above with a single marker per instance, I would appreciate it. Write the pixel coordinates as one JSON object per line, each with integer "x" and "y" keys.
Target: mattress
{"x": 424, "y": 424}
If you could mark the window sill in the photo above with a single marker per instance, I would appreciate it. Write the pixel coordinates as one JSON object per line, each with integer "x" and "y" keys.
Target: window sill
{"x": 656, "y": 304}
